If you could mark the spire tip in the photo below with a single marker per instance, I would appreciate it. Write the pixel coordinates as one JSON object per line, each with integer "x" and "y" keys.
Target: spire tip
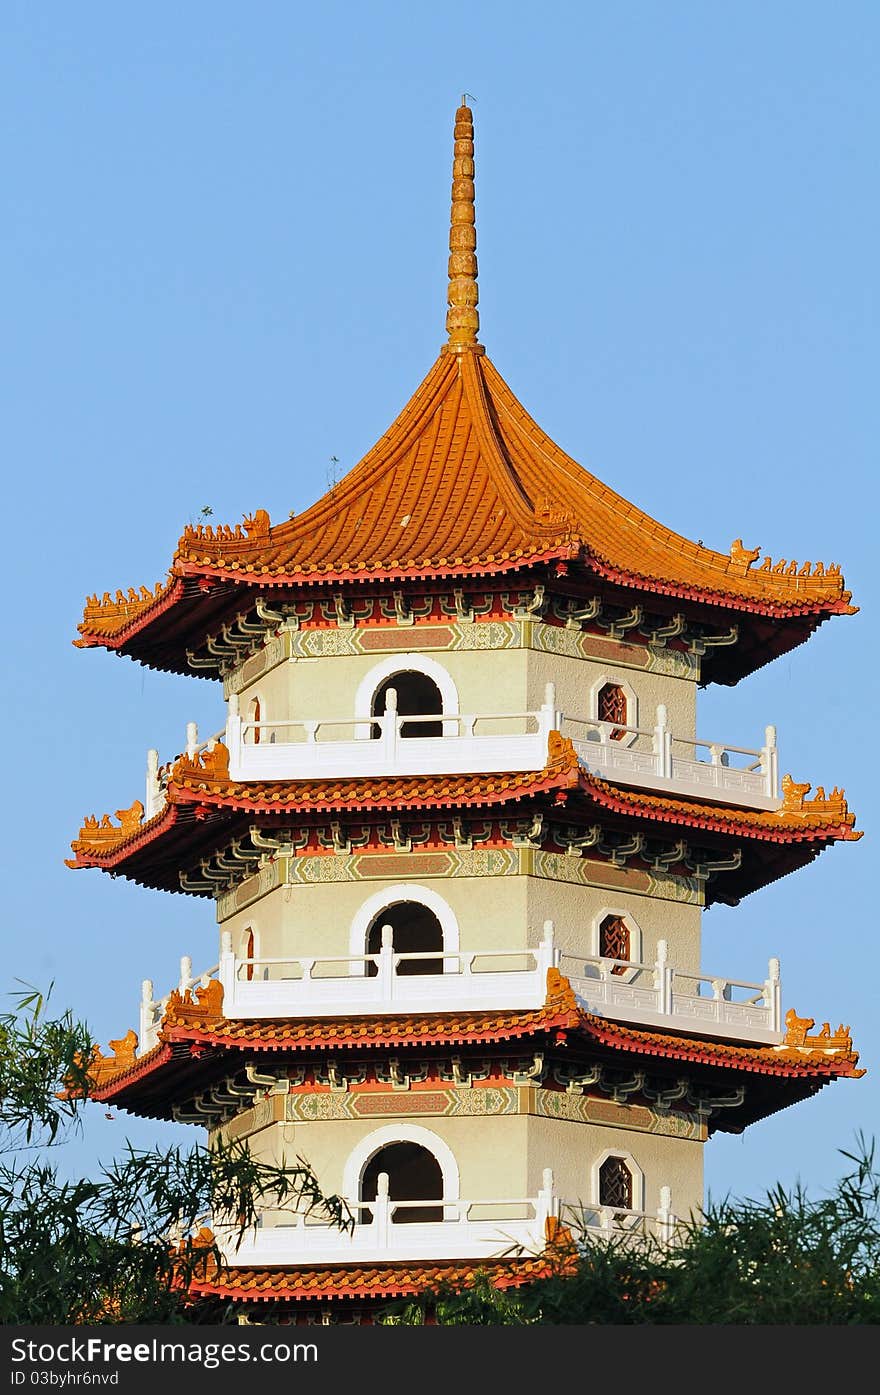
{"x": 462, "y": 316}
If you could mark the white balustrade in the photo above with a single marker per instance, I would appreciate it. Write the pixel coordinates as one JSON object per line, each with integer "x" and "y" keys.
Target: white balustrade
{"x": 157, "y": 776}
{"x": 662, "y": 995}
{"x": 389, "y": 743}
{"x": 514, "y": 979}
{"x": 485, "y": 742}
{"x": 660, "y": 760}
{"x": 476, "y": 1229}
{"x": 152, "y": 1009}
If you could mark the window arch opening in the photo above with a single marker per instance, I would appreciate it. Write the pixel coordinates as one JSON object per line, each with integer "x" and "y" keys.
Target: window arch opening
{"x": 612, "y": 707}
{"x": 414, "y": 1174}
{"x": 414, "y": 929}
{"x": 255, "y": 715}
{"x": 417, "y": 696}
{"x": 247, "y": 947}
{"x": 616, "y": 1184}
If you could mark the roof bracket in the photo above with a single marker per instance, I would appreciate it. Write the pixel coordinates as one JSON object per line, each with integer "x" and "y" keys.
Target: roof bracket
{"x": 618, "y": 627}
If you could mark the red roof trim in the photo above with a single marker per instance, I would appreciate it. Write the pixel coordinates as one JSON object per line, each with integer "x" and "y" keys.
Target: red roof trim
{"x": 94, "y": 639}
{"x": 366, "y": 1281}
{"x": 776, "y": 610}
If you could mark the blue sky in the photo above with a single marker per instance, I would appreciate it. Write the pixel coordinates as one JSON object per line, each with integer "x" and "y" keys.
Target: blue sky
{"x": 225, "y": 262}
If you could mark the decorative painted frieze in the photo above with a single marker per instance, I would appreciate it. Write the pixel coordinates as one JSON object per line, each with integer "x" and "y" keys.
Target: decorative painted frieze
{"x": 330, "y": 868}
{"x": 490, "y": 1100}
{"x": 347, "y": 640}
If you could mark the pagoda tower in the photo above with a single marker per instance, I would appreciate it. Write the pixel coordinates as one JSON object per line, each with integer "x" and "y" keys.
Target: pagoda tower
{"x": 459, "y": 830}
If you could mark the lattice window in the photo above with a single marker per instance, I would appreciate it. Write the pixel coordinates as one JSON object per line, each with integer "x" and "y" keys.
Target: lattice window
{"x": 611, "y": 706}
{"x": 614, "y": 941}
{"x": 615, "y": 1184}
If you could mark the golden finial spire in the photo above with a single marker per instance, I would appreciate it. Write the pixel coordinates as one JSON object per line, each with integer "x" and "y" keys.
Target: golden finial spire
{"x": 462, "y": 317}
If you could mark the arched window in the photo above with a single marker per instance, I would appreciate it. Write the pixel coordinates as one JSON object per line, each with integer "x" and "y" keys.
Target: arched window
{"x": 614, "y": 940}
{"x": 417, "y": 696}
{"x": 414, "y": 928}
{"x": 414, "y": 1174}
{"x": 615, "y": 1184}
{"x": 612, "y": 707}
{"x": 254, "y": 715}
{"x": 247, "y": 946}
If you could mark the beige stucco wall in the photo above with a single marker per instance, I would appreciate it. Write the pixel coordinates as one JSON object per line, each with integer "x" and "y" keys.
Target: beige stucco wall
{"x": 502, "y": 1156}
{"x": 577, "y": 910}
{"x": 500, "y": 680}
{"x": 576, "y": 679}
{"x": 489, "y": 912}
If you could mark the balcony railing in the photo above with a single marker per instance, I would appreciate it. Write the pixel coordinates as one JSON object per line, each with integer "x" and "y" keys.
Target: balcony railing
{"x": 486, "y": 742}
{"x": 657, "y": 994}
{"x": 482, "y": 1229}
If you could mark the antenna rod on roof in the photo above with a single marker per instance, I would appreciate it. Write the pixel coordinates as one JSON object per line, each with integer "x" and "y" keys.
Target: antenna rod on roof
{"x": 462, "y": 317}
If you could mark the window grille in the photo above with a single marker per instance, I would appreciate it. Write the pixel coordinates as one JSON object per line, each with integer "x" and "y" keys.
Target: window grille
{"x": 614, "y": 940}
{"x": 615, "y": 1184}
{"x": 612, "y": 708}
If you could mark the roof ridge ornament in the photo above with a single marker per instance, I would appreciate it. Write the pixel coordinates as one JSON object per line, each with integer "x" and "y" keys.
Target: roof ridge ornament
{"x": 462, "y": 317}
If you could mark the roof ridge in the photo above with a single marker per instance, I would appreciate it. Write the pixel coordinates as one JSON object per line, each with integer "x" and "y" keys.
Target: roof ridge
{"x": 493, "y": 449}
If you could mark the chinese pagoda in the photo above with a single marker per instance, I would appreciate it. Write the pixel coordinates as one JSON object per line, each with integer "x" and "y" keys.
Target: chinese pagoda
{"x": 459, "y": 830}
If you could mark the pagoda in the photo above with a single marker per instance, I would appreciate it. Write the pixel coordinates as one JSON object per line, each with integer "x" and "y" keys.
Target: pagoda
{"x": 459, "y": 829}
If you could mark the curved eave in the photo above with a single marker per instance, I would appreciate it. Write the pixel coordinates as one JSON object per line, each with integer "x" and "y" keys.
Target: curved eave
{"x": 201, "y": 813}
{"x": 463, "y": 484}
{"x": 112, "y": 625}
{"x": 706, "y": 817}
{"x": 421, "y": 793}
{"x": 119, "y": 633}
{"x": 364, "y": 1282}
{"x": 773, "y": 608}
{"x": 193, "y": 1055}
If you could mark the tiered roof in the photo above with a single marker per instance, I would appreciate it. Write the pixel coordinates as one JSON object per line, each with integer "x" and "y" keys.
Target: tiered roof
{"x": 464, "y": 483}
{"x": 203, "y": 809}
{"x": 367, "y": 1283}
{"x": 197, "y": 1043}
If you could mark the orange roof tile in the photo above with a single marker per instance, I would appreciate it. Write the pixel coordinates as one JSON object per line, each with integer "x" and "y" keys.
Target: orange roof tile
{"x": 195, "y": 1020}
{"x": 203, "y": 782}
{"x": 824, "y": 816}
{"x": 365, "y": 1282}
{"x": 463, "y": 482}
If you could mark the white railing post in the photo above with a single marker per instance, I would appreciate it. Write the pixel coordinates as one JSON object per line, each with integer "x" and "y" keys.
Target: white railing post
{"x": 663, "y": 742}
{"x": 548, "y": 954}
{"x": 773, "y": 995}
{"x": 192, "y": 739}
{"x": 186, "y": 973}
{"x": 226, "y": 973}
{"x": 550, "y": 704}
{"x": 234, "y": 734}
{"x": 146, "y": 1016}
{"x": 663, "y": 978}
{"x": 546, "y": 1205}
{"x": 665, "y": 1218}
{"x": 154, "y": 797}
{"x": 548, "y": 717}
{"x": 389, "y": 727}
{"x": 386, "y": 965}
{"x": 770, "y": 763}
{"x": 382, "y": 1213}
